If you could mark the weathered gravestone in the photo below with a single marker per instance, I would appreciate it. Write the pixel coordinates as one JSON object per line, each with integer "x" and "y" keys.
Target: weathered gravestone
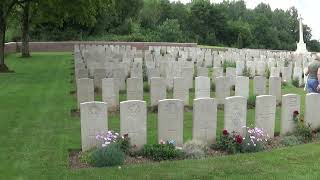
{"x": 98, "y": 75}
{"x": 82, "y": 73}
{"x": 240, "y": 67}
{"x": 231, "y": 74}
{"x": 217, "y": 72}
{"x": 204, "y": 120}
{"x": 180, "y": 91}
{"x": 290, "y": 104}
{"x": 235, "y": 114}
{"x": 187, "y": 74}
{"x": 94, "y": 120}
{"x": 242, "y": 86}
{"x": 202, "y": 71}
{"x": 202, "y": 87}
{"x": 134, "y": 89}
{"x": 153, "y": 72}
{"x": 312, "y": 110}
{"x": 136, "y": 70}
{"x": 222, "y": 89}
{"x": 133, "y": 121}
{"x": 158, "y": 90}
{"x": 110, "y": 93}
{"x": 259, "y": 85}
{"x": 85, "y": 90}
{"x": 266, "y": 113}
{"x": 275, "y": 87}
{"x": 275, "y": 72}
{"x": 170, "y": 121}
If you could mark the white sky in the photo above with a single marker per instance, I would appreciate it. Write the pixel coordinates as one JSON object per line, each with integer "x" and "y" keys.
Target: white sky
{"x": 309, "y": 9}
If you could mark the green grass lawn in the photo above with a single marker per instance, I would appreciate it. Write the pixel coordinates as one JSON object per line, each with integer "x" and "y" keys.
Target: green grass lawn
{"x": 36, "y": 132}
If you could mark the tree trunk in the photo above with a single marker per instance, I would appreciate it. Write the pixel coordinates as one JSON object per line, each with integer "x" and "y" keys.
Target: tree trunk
{"x": 25, "y": 29}
{"x": 3, "y": 67}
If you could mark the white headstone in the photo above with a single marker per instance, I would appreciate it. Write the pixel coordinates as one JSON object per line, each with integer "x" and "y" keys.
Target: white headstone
{"x": 235, "y": 114}
{"x": 94, "y": 120}
{"x": 275, "y": 87}
{"x": 259, "y": 86}
{"x": 312, "y": 110}
{"x": 290, "y": 103}
{"x": 202, "y": 87}
{"x": 204, "y": 120}
{"x": 266, "y": 113}
{"x": 133, "y": 121}
{"x": 222, "y": 89}
{"x": 110, "y": 93}
{"x": 170, "y": 120}
{"x": 158, "y": 90}
{"x": 180, "y": 91}
{"x": 85, "y": 90}
{"x": 134, "y": 89}
{"x": 242, "y": 86}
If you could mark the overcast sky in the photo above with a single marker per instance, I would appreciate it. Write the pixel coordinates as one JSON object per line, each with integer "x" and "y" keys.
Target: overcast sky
{"x": 309, "y": 9}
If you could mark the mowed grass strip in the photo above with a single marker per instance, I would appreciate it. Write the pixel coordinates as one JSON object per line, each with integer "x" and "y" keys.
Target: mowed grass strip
{"x": 36, "y": 132}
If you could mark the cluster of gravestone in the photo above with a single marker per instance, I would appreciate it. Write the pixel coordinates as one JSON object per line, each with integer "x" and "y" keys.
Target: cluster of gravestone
{"x": 110, "y": 69}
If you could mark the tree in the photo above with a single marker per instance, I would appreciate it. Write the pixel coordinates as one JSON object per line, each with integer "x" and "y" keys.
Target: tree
{"x": 6, "y": 7}
{"x": 25, "y": 27}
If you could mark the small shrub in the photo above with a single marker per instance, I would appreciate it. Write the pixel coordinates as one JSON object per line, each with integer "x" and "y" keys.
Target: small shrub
{"x": 195, "y": 149}
{"x": 302, "y": 130}
{"x": 295, "y": 82}
{"x": 124, "y": 144}
{"x": 251, "y": 102}
{"x": 108, "y": 156}
{"x": 160, "y": 152}
{"x": 231, "y": 143}
{"x": 284, "y": 84}
{"x": 291, "y": 140}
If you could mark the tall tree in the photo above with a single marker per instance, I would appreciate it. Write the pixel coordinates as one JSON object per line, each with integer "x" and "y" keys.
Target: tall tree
{"x": 6, "y": 7}
{"x": 25, "y": 27}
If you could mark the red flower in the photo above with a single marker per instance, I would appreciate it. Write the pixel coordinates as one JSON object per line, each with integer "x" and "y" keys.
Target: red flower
{"x": 126, "y": 135}
{"x": 296, "y": 113}
{"x": 239, "y": 139}
{"x": 225, "y": 132}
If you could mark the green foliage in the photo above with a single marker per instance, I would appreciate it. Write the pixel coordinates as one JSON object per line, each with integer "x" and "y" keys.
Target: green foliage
{"x": 170, "y": 31}
{"x": 291, "y": 140}
{"x": 124, "y": 144}
{"x": 267, "y": 73}
{"x": 251, "y": 102}
{"x": 160, "y": 152}
{"x": 227, "y": 142}
{"x": 108, "y": 156}
{"x": 304, "y": 131}
{"x": 195, "y": 149}
{"x": 85, "y": 157}
{"x": 295, "y": 82}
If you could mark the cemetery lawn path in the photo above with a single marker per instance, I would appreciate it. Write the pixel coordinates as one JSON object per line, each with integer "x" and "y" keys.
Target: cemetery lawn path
{"x": 36, "y": 132}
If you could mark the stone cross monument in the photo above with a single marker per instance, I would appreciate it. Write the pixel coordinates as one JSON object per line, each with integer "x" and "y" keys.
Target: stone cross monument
{"x": 301, "y": 46}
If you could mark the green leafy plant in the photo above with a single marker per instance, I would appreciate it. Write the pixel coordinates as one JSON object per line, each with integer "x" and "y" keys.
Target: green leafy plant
{"x": 295, "y": 82}
{"x": 160, "y": 152}
{"x": 231, "y": 143}
{"x": 111, "y": 155}
{"x": 267, "y": 73}
{"x": 302, "y": 130}
{"x": 291, "y": 140}
{"x": 195, "y": 149}
{"x": 124, "y": 143}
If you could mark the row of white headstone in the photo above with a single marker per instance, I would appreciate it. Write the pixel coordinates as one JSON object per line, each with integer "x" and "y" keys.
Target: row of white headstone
{"x": 158, "y": 89}
{"x": 133, "y": 118}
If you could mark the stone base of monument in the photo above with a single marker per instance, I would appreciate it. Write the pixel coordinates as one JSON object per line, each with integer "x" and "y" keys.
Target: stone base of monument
{"x": 301, "y": 48}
